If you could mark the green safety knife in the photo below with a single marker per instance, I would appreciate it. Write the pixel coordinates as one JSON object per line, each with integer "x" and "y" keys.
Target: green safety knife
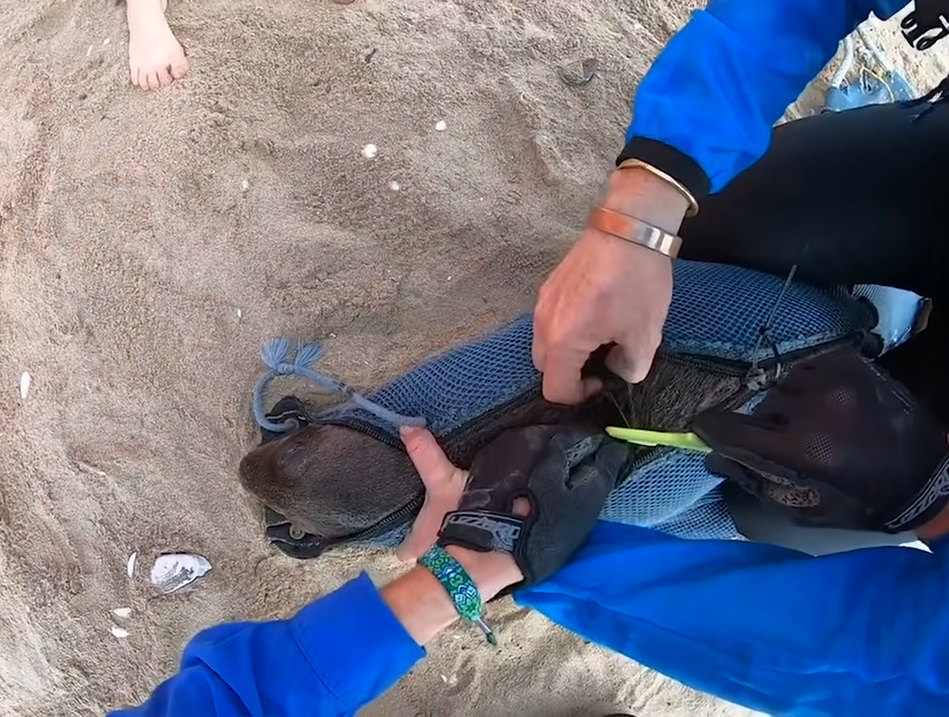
{"x": 642, "y": 437}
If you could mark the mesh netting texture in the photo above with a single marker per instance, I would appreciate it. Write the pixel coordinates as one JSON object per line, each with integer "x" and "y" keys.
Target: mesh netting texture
{"x": 716, "y": 312}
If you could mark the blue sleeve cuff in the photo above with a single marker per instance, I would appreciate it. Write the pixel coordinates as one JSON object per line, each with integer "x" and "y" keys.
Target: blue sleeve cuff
{"x": 353, "y": 632}
{"x": 705, "y": 110}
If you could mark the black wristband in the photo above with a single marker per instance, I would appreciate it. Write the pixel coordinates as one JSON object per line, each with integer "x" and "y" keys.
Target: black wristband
{"x": 671, "y": 161}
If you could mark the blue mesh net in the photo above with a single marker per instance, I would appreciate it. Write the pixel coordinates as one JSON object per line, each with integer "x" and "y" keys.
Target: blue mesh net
{"x": 716, "y": 312}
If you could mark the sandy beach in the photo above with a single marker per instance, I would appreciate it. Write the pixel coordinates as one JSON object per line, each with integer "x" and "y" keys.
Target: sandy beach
{"x": 150, "y": 242}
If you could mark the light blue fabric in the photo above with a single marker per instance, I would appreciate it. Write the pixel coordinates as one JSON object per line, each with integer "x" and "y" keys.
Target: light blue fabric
{"x": 897, "y": 310}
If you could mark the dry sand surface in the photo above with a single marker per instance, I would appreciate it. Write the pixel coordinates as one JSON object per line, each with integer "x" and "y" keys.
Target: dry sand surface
{"x": 150, "y": 242}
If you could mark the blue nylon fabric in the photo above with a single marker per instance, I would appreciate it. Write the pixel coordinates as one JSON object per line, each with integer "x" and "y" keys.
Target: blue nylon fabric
{"x": 858, "y": 634}
{"x": 720, "y": 84}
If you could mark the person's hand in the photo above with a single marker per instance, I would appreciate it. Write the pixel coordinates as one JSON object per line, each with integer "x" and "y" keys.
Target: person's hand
{"x": 531, "y": 498}
{"x": 444, "y": 484}
{"x": 535, "y": 493}
{"x": 607, "y": 290}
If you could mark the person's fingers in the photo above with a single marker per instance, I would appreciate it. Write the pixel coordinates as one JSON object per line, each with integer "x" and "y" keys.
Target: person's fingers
{"x": 632, "y": 358}
{"x": 444, "y": 484}
{"x": 563, "y": 382}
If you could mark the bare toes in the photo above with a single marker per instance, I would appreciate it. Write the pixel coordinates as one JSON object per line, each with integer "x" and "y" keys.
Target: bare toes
{"x": 179, "y": 67}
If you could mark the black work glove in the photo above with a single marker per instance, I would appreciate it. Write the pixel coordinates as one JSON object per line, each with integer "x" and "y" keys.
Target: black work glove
{"x": 837, "y": 443}
{"x": 564, "y": 472}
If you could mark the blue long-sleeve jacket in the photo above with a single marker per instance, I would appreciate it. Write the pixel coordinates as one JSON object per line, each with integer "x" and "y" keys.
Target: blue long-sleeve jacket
{"x": 704, "y": 111}
{"x": 332, "y": 657}
{"x": 864, "y": 633}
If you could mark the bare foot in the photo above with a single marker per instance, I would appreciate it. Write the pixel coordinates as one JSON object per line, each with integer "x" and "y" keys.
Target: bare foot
{"x": 156, "y": 58}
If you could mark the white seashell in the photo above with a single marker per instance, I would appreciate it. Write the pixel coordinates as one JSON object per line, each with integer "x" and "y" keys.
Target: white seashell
{"x": 395, "y": 186}
{"x": 86, "y": 468}
{"x": 240, "y": 314}
{"x": 245, "y": 185}
{"x": 440, "y": 126}
{"x": 119, "y": 633}
{"x": 172, "y": 572}
{"x": 130, "y": 568}
{"x": 123, "y": 612}
{"x": 25, "y": 381}
{"x": 370, "y": 151}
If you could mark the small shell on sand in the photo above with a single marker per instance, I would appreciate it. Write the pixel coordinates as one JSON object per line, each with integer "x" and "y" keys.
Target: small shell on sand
{"x": 130, "y": 566}
{"x": 370, "y": 151}
{"x": 119, "y": 633}
{"x": 245, "y": 185}
{"x": 123, "y": 612}
{"x": 440, "y": 126}
{"x": 579, "y": 72}
{"x": 25, "y": 381}
{"x": 176, "y": 570}
{"x": 395, "y": 186}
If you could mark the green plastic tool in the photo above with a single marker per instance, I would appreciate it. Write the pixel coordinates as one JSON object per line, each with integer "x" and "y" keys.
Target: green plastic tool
{"x": 642, "y": 437}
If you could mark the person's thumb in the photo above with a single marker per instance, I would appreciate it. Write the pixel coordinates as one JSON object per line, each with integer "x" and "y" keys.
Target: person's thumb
{"x": 631, "y": 360}
{"x": 426, "y": 455}
{"x": 444, "y": 483}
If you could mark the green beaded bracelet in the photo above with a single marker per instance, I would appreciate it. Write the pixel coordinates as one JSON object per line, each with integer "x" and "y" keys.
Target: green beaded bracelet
{"x": 460, "y": 587}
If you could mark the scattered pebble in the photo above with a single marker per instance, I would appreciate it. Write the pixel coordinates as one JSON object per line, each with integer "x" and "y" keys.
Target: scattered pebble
{"x": 395, "y": 186}
{"x": 176, "y": 570}
{"x": 130, "y": 567}
{"x": 240, "y": 314}
{"x": 123, "y": 612}
{"x": 245, "y": 185}
{"x": 107, "y": 41}
{"x": 440, "y": 126}
{"x": 370, "y": 151}
{"x": 25, "y": 381}
{"x": 119, "y": 633}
